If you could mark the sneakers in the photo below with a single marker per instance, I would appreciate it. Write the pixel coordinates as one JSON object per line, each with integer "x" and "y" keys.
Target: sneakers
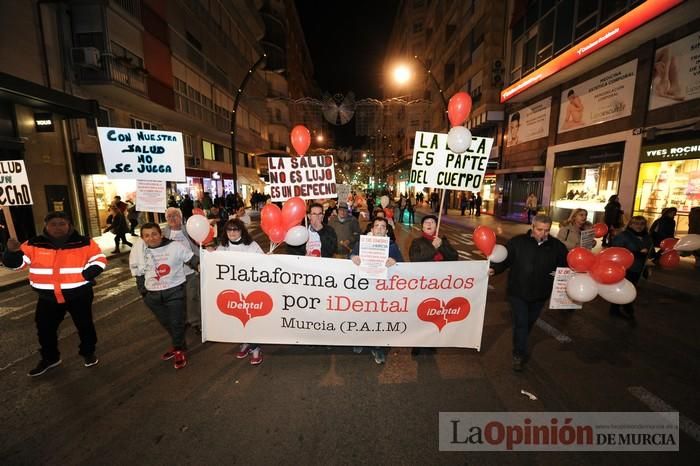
{"x": 378, "y": 355}
{"x": 518, "y": 364}
{"x": 42, "y": 367}
{"x": 257, "y": 357}
{"x": 168, "y": 354}
{"x": 357, "y": 349}
{"x": 180, "y": 359}
{"x": 244, "y": 351}
{"x": 91, "y": 360}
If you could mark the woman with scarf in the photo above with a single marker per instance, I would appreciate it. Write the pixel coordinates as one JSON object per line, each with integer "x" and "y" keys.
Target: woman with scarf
{"x": 637, "y": 240}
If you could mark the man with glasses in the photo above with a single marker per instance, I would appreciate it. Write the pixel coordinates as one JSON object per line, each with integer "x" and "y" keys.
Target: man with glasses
{"x": 322, "y": 240}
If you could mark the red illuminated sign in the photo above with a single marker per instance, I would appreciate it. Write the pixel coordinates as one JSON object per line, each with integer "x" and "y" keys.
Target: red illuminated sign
{"x": 610, "y": 33}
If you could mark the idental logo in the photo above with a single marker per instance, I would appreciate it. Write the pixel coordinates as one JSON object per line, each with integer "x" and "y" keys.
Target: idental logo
{"x": 441, "y": 313}
{"x": 244, "y": 308}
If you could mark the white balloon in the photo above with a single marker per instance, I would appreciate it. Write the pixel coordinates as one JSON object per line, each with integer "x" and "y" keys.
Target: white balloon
{"x": 384, "y": 201}
{"x": 498, "y": 254}
{"x": 582, "y": 288}
{"x": 459, "y": 139}
{"x": 198, "y": 227}
{"x": 688, "y": 243}
{"x": 296, "y": 236}
{"x": 622, "y": 292}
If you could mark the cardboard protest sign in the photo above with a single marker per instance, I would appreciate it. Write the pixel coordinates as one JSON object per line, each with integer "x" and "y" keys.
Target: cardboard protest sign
{"x": 560, "y": 299}
{"x": 435, "y": 166}
{"x": 150, "y": 196}
{"x": 588, "y": 239}
{"x": 14, "y": 184}
{"x": 139, "y": 154}
{"x": 309, "y": 177}
{"x": 374, "y": 251}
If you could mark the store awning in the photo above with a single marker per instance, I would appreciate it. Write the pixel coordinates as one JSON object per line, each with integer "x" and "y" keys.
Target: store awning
{"x": 39, "y": 97}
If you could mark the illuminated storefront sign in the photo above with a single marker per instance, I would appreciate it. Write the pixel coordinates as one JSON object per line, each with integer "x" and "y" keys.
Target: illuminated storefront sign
{"x": 671, "y": 151}
{"x": 644, "y": 13}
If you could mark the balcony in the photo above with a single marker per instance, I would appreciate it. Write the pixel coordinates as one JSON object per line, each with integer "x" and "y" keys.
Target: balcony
{"x": 115, "y": 70}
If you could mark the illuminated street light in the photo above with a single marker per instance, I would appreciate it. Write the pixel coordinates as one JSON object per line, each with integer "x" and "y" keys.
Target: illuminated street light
{"x": 402, "y": 74}
{"x": 319, "y": 138}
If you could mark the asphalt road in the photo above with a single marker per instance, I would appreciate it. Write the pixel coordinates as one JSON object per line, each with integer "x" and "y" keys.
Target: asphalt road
{"x": 317, "y": 405}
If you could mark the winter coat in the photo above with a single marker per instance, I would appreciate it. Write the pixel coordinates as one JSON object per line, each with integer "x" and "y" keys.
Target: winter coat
{"x": 613, "y": 214}
{"x": 662, "y": 228}
{"x": 570, "y": 235}
{"x": 118, "y": 225}
{"x": 349, "y": 230}
{"x": 633, "y": 242}
{"x": 422, "y": 250}
{"x": 532, "y": 266}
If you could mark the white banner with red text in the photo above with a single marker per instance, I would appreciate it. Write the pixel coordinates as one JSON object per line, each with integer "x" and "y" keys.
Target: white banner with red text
{"x": 317, "y": 301}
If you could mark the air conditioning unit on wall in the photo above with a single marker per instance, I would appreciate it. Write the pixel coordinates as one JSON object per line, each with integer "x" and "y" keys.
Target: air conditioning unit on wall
{"x": 86, "y": 56}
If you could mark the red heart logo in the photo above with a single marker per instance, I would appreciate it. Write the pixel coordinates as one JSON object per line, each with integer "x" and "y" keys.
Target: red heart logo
{"x": 315, "y": 253}
{"x": 244, "y": 308}
{"x": 440, "y": 313}
{"x": 162, "y": 270}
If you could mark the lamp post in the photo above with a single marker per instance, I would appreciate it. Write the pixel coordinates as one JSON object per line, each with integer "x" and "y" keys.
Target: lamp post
{"x": 236, "y": 102}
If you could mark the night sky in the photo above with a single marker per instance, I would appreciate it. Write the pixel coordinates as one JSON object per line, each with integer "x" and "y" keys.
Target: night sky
{"x": 347, "y": 41}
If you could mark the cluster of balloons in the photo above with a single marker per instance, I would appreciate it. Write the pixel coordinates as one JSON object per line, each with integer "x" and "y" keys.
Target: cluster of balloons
{"x": 199, "y": 229}
{"x": 600, "y": 275}
{"x": 283, "y": 225}
{"x": 485, "y": 241}
{"x": 459, "y": 138}
{"x": 301, "y": 139}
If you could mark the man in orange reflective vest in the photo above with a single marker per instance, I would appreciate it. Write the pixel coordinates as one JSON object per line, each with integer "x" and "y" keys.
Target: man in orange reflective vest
{"x": 62, "y": 266}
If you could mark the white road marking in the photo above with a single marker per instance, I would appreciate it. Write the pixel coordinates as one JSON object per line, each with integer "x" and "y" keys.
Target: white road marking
{"x": 656, "y": 404}
{"x": 561, "y": 338}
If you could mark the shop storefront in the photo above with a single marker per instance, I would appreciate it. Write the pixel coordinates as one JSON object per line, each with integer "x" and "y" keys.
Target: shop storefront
{"x": 669, "y": 176}
{"x": 585, "y": 179}
{"x": 99, "y": 192}
{"x": 488, "y": 194}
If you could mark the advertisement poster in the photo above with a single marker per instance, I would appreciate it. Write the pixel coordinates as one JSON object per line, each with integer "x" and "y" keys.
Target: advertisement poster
{"x": 140, "y": 154}
{"x": 435, "y": 166}
{"x": 531, "y": 122}
{"x": 374, "y": 251}
{"x": 559, "y": 299}
{"x": 676, "y": 74}
{"x": 309, "y": 177}
{"x": 604, "y": 98}
{"x": 14, "y": 184}
{"x": 150, "y": 196}
{"x": 303, "y": 300}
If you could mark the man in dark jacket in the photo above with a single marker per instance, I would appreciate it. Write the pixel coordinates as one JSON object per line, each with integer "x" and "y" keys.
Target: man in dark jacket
{"x": 533, "y": 258}
{"x": 62, "y": 266}
{"x": 322, "y": 240}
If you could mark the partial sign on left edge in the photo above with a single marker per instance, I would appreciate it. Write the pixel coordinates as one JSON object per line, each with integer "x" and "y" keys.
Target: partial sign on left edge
{"x": 14, "y": 184}
{"x": 139, "y": 154}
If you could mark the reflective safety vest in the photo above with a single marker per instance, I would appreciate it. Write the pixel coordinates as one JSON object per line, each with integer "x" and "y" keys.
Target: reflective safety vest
{"x": 63, "y": 269}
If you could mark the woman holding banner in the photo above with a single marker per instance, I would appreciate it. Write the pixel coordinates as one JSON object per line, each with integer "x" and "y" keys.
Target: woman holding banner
{"x": 235, "y": 237}
{"x": 571, "y": 228}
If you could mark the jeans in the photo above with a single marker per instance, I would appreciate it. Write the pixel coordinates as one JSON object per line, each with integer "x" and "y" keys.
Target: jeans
{"x": 525, "y": 314}
{"x": 169, "y": 308}
{"x": 49, "y": 316}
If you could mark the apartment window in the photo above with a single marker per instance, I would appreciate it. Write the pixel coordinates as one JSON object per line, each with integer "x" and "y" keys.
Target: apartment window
{"x": 418, "y": 3}
{"x": 449, "y": 74}
{"x": 255, "y": 125}
{"x": 142, "y": 124}
{"x": 417, "y": 27}
{"x": 564, "y": 25}
{"x": 545, "y": 37}
{"x": 187, "y": 144}
{"x": 466, "y": 51}
{"x": 517, "y": 64}
{"x": 208, "y": 151}
{"x": 532, "y": 13}
{"x": 123, "y": 55}
{"x": 611, "y": 9}
{"x": 449, "y": 31}
{"x": 529, "y": 53}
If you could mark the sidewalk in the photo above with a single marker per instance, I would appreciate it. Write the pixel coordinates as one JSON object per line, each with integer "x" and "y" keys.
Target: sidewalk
{"x": 681, "y": 281}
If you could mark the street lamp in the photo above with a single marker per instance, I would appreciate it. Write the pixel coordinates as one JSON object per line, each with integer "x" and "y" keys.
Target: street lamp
{"x": 402, "y": 75}
{"x": 236, "y": 102}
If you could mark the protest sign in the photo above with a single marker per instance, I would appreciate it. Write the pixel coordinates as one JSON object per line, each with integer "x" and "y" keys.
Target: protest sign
{"x": 150, "y": 196}
{"x": 560, "y": 299}
{"x": 14, "y": 184}
{"x": 435, "y": 166}
{"x": 343, "y": 191}
{"x": 321, "y": 301}
{"x": 139, "y": 154}
{"x": 588, "y": 239}
{"x": 374, "y": 251}
{"x": 309, "y": 177}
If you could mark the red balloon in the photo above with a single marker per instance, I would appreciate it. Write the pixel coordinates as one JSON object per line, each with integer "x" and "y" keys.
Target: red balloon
{"x": 458, "y": 108}
{"x": 210, "y": 236}
{"x": 301, "y": 139}
{"x": 668, "y": 243}
{"x": 607, "y": 272}
{"x": 485, "y": 239}
{"x": 618, "y": 255}
{"x": 670, "y": 259}
{"x": 388, "y": 213}
{"x": 276, "y": 234}
{"x": 293, "y": 212}
{"x": 600, "y": 229}
{"x": 580, "y": 259}
{"x": 197, "y": 211}
{"x": 270, "y": 217}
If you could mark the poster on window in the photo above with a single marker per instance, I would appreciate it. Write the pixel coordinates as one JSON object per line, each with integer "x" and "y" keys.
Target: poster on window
{"x": 676, "y": 73}
{"x": 606, "y": 97}
{"x": 531, "y": 122}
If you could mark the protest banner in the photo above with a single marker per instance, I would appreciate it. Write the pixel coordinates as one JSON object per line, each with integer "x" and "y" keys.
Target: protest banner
{"x": 319, "y": 301}
{"x": 139, "y": 154}
{"x": 435, "y": 166}
{"x": 14, "y": 184}
{"x": 309, "y": 177}
{"x": 150, "y": 196}
{"x": 560, "y": 299}
{"x": 374, "y": 251}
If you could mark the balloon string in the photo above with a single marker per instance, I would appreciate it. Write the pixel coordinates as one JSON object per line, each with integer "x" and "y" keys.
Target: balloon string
{"x": 442, "y": 200}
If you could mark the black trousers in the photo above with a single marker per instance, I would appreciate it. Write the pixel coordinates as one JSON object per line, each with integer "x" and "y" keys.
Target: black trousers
{"x": 49, "y": 316}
